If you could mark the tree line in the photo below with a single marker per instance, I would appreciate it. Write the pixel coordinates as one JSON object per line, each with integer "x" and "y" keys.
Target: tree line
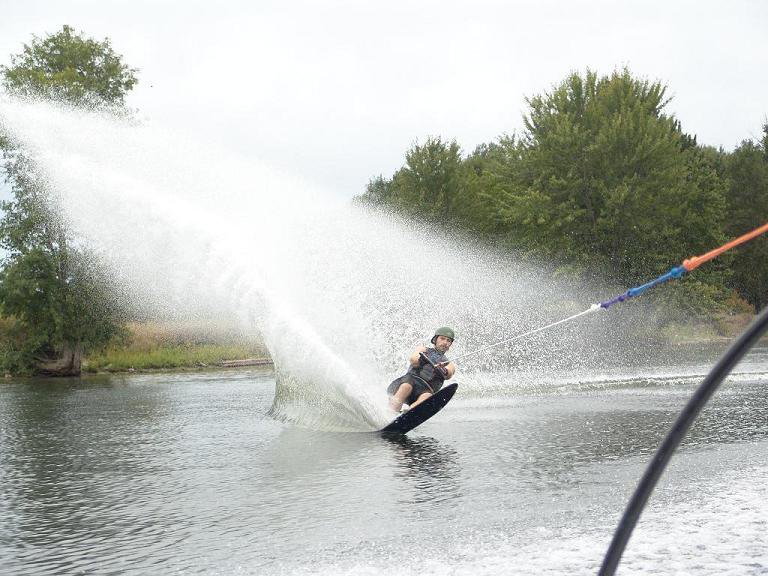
{"x": 600, "y": 180}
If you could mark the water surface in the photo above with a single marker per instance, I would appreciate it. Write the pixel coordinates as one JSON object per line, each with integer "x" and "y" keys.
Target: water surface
{"x": 187, "y": 474}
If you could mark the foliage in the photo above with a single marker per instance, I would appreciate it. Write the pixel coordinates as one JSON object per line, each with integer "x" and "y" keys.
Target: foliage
{"x": 602, "y": 180}
{"x": 69, "y": 67}
{"x": 748, "y": 209}
{"x": 56, "y": 292}
{"x": 54, "y": 289}
{"x": 173, "y": 345}
{"x": 426, "y": 187}
{"x": 607, "y": 181}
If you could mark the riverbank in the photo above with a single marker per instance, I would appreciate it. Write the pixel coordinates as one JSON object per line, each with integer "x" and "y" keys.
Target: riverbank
{"x": 184, "y": 346}
{"x": 176, "y": 346}
{"x": 155, "y": 346}
{"x": 721, "y": 328}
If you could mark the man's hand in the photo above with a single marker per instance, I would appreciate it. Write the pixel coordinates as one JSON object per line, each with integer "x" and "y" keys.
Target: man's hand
{"x": 443, "y": 369}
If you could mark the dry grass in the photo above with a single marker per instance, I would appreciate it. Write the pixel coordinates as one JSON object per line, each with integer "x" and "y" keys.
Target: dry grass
{"x": 165, "y": 345}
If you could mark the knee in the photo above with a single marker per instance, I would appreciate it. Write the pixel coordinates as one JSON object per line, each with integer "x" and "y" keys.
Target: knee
{"x": 405, "y": 388}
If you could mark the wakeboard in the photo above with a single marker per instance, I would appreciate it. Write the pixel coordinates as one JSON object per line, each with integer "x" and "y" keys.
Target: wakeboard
{"x": 407, "y": 421}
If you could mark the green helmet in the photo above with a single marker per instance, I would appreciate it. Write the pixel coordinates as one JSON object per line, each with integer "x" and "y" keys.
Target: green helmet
{"x": 443, "y": 331}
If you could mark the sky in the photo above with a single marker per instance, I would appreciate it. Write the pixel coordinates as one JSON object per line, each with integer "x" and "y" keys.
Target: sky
{"x": 335, "y": 92}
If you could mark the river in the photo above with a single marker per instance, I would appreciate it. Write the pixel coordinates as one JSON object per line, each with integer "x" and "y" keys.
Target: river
{"x": 188, "y": 474}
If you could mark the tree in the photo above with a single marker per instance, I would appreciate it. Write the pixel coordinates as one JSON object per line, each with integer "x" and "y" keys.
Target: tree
{"x": 54, "y": 289}
{"x": 68, "y": 67}
{"x": 427, "y": 186}
{"x": 748, "y": 209}
{"x": 378, "y": 193}
{"x": 607, "y": 181}
{"x": 490, "y": 180}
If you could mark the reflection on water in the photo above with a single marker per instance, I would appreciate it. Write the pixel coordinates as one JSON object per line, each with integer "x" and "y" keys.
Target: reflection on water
{"x": 187, "y": 473}
{"x": 429, "y": 466}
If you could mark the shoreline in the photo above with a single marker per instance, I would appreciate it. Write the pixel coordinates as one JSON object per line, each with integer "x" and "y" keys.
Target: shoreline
{"x": 176, "y": 346}
{"x": 264, "y": 364}
{"x": 179, "y": 348}
{"x": 201, "y": 367}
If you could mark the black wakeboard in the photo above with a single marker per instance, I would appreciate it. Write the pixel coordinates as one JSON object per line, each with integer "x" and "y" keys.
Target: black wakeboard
{"x": 407, "y": 421}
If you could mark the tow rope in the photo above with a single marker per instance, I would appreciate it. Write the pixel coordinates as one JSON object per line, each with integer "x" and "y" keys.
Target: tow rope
{"x": 676, "y": 272}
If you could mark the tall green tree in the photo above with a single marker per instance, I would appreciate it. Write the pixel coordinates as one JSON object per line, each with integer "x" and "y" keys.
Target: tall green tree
{"x": 490, "y": 179}
{"x": 67, "y": 66}
{"x": 748, "y": 209}
{"x": 607, "y": 179}
{"x": 427, "y": 186}
{"x": 54, "y": 289}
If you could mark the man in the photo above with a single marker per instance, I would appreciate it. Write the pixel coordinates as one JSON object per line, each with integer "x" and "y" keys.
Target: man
{"x": 427, "y": 371}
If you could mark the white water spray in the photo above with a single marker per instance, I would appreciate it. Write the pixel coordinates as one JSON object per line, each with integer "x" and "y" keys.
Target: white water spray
{"x": 340, "y": 295}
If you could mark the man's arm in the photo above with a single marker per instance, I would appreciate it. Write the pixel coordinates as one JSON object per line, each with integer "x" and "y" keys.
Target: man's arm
{"x": 447, "y": 370}
{"x": 414, "y": 358}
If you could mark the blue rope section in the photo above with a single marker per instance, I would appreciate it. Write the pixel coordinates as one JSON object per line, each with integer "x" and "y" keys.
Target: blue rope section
{"x": 675, "y": 272}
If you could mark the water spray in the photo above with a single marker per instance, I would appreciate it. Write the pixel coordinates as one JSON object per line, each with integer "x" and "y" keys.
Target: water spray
{"x": 593, "y": 308}
{"x": 674, "y": 273}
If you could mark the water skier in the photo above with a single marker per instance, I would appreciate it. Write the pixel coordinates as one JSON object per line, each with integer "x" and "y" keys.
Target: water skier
{"x": 428, "y": 369}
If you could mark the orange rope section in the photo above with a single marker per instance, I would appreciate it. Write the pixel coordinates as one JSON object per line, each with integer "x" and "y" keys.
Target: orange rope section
{"x": 696, "y": 261}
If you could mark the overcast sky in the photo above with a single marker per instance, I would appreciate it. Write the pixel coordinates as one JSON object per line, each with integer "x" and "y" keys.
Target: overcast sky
{"x": 334, "y": 92}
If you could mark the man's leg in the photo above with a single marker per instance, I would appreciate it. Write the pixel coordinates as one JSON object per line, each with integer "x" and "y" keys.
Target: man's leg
{"x": 421, "y": 399}
{"x": 396, "y": 401}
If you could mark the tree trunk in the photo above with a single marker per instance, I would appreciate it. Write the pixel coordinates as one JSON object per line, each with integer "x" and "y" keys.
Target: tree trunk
{"x": 67, "y": 363}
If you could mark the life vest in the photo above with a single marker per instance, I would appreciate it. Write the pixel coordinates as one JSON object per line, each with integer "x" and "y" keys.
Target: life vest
{"x": 427, "y": 373}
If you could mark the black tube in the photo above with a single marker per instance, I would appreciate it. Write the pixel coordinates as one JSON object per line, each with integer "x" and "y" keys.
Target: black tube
{"x": 684, "y": 420}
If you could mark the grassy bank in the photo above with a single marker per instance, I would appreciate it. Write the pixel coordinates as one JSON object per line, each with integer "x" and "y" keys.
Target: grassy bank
{"x": 189, "y": 346}
{"x": 157, "y": 346}
{"x": 722, "y": 327}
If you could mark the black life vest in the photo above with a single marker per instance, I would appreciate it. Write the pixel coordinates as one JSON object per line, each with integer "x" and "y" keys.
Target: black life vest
{"x": 427, "y": 372}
